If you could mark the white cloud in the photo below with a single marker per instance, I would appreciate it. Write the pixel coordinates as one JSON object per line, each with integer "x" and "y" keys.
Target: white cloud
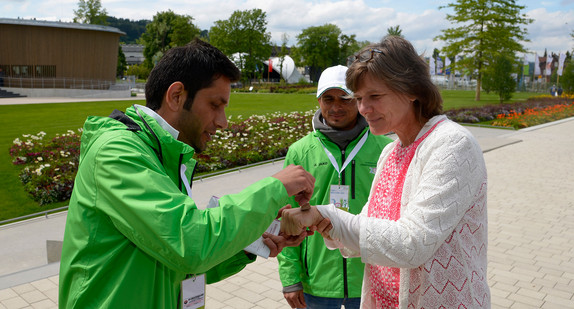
{"x": 550, "y": 30}
{"x": 420, "y": 21}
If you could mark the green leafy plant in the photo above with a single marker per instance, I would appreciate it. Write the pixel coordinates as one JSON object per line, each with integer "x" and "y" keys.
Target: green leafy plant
{"x": 49, "y": 167}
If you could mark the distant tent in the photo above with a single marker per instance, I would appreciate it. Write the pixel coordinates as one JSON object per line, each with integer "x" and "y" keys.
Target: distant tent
{"x": 288, "y": 71}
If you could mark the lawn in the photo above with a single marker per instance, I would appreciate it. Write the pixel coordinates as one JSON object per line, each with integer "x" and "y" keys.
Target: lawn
{"x": 60, "y": 117}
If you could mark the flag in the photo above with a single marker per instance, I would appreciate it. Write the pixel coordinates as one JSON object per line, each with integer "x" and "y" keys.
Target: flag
{"x": 457, "y": 58}
{"x": 432, "y": 66}
{"x": 549, "y": 65}
{"x": 439, "y": 65}
{"x": 561, "y": 63}
{"x": 447, "y": 65}
{"x": 536, "y": 65}
{"x": 526, "y": 66}
{"x": 270, "y": 65}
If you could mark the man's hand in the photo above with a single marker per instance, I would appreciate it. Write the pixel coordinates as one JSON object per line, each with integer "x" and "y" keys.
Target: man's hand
{"x": 295, "y": 221}
{"x": 295, "y": 299}
{"x": 298, "y": 182}
{"x": 276, "y": 243}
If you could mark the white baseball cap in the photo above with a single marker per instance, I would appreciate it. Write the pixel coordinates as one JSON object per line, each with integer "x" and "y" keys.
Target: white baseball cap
{"x": 333, "y": 77}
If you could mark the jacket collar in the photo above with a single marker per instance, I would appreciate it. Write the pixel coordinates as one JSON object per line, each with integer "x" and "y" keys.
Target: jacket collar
{"x": 156, "y": 131}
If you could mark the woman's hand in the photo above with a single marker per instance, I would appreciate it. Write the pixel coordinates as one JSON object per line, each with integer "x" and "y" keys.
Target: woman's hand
{"x": 295, "y": 221}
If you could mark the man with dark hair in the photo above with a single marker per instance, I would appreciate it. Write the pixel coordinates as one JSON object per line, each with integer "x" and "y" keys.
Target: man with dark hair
{"x": 134, "y": 236}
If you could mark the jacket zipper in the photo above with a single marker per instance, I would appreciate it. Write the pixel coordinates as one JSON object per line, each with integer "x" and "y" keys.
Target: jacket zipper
{"x": 353, "y": 179}
{"x": 180, "y": 182}
{"x": 345, "y": 283}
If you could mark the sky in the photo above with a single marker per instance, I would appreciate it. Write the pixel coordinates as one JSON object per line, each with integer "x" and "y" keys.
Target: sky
{"x": 420, "y": 21}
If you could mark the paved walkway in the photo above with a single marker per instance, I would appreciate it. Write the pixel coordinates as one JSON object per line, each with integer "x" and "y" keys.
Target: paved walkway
{"x": 531, "y": 219}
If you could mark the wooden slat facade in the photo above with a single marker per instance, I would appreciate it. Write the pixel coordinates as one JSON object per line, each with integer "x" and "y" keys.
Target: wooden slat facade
{"x": 59, "y": 52}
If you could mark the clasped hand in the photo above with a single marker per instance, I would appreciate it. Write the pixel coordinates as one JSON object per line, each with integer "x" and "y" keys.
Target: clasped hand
{"x": 276, "y": 243}
{"x": 295, "y": 221}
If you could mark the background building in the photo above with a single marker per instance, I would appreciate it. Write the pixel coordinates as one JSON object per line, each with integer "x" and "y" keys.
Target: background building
{"x": 134, "y": 53}
{"x": 43, "y": 54}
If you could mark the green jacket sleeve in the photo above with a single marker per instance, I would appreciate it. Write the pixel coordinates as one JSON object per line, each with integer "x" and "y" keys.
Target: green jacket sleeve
{"x": 145, "y": 205}
{"x": 229, "y": 267}
{"x": 290, "y": 264}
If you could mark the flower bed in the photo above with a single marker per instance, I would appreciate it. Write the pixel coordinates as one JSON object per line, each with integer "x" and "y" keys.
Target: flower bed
{"x": 489, "y": 113}
{"x": 534, "y": 116}
{"x": 49, "y": 168}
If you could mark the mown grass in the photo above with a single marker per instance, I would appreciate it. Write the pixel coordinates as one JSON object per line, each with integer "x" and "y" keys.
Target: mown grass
{"x": 59, "y": 117}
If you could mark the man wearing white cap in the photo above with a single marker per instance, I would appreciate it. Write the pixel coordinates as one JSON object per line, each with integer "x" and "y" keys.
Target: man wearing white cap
{"x": 342, "y": 155}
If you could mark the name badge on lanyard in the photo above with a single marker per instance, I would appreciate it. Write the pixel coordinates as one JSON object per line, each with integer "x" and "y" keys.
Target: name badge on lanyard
{"x": 193, "y": 292}
{"x": 339, "y": 194}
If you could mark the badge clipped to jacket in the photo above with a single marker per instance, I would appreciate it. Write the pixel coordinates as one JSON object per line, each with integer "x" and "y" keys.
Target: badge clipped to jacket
{"x": 339, "y": 196}
{"x": 193, "y": 292}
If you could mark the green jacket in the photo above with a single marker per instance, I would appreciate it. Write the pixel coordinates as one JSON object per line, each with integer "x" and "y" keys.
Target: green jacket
{"x": 324, "y": 272}
{"x": 133, "y": 234}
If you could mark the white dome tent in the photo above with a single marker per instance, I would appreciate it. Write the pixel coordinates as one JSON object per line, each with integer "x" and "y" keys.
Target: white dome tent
{"x": 289, "y": 72}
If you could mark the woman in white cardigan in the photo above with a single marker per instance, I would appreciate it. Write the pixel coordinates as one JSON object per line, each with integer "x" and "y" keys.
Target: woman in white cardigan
{"x": 423, "y": 232}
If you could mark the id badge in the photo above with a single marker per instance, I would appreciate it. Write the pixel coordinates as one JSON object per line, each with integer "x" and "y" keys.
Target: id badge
{"x": 339, "y": 196}
{"x": 193, "y": 292}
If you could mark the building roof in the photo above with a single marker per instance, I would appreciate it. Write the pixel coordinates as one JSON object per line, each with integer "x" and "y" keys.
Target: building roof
{"x": 57, "y": 24}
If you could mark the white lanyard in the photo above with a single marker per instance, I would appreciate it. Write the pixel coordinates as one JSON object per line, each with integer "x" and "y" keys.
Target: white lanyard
{"x": 349, "y": 158}
{"x": 182, "y": 169}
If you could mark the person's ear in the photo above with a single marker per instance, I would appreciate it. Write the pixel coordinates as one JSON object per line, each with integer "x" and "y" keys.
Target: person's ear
{"x": 175, "y": 97}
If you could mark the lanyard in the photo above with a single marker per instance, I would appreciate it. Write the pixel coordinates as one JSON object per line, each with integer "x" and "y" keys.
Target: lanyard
{"x": 349, "y": 158}
{"x": 182, "y": 169}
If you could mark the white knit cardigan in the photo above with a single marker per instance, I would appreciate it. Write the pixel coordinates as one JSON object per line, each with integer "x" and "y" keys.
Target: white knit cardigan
{"x": 440, "y": 241}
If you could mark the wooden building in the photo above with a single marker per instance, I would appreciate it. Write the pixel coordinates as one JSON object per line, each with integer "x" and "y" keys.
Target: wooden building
{"x": 44, "y": 54}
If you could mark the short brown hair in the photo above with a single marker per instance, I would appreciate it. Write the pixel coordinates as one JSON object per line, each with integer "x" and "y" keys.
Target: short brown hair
{"x": 403, "y": 71}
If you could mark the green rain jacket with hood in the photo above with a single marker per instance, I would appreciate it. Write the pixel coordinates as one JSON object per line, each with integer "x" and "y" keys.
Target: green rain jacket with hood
{"x": 320, "y": 271}
{"x": 133, "y": 234}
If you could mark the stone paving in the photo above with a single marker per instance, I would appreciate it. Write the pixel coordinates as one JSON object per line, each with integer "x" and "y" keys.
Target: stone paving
{"x": 531, "y": 223}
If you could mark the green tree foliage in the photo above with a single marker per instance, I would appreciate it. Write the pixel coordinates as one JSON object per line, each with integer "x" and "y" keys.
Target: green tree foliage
{"x": 483, "y": 29}
{"x": 567, "y": 78}
{"x": 139, "y": 71}
{"x": 395, "y": 31}
{"x": 166, "y": 30}
{"x": 90, "y": 12}
{"x": 498, "y": 77}
{"x": 318, "y": 48}
{"x": 122, "y": 64}
{"x": 245, "y": 35}
{"x": 349, "y": 46}
{"x": 283, "y": 52}
{"x": 133, "y": 29}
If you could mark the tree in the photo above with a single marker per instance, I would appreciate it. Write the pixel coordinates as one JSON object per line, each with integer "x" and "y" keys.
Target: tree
{"x": 133, "y": 29}
{"x": 122, "y": 64}
{"x": 282, "y": 53}
{"x": 395, "y": 31}
{"x": 486, "y": 29}
{"x": 498, "y": 77}
{"x": 318, "y": 48}
{"x": 139, "y": 71}
{"x": 90, "y": 12}
{"x": 567, "y": 78}
{"x": 349, "y": 46}
{"x": 166, "y": 30}
{"x": 245, "y": 34}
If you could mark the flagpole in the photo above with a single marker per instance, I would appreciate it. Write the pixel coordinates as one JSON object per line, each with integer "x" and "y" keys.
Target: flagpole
{"x": 558, "y": 75}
